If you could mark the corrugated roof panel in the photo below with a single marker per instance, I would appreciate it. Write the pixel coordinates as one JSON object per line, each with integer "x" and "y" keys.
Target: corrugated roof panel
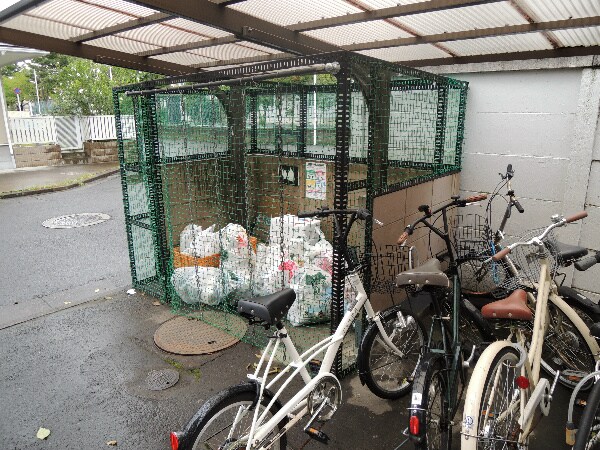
{"x": 260, "y": 48}
{"x": 160, "y": 35}
{"x": 287, "y": 12}
{"x": 226, "y": 52}
{"x": 121, "y": 44}
{"x": 183, "y": 58}
{"x": 379, "y": 4}
{"x": 124, "y": 7}
{"x": 44, "y": 27}
{"x": 407, "y": 53}
{"x": 377, "y": 30}
{"x": 499, "y": 44}
{"x": 77, "y": 14}
{"x": 547, "y": 10}
{"x": 461, "y": 19}
{"x": 195, "y": 27}
{"x": 578, "y": 37}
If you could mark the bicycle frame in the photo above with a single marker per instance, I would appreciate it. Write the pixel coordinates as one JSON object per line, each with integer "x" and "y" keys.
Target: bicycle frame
{"x": 297, "y": 407}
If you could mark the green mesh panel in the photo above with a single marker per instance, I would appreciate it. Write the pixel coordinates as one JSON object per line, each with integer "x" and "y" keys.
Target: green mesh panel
{"x": 240, "y": 161}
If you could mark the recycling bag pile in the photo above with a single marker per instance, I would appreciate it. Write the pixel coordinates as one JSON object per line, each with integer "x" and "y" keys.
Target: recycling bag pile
{"x": 297, "y": 256}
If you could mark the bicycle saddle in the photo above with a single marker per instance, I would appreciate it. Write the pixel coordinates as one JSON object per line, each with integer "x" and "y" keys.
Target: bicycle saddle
{"x": 512, "y": 307}
{"x": 567, "y": 252}
{"x": 269, "y": 308}
{"x": 428, "y": 274}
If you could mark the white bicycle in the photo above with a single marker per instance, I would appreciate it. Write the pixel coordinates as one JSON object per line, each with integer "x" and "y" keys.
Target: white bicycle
{"x": 505, "y": 391}
{"x": 251, "y": 415}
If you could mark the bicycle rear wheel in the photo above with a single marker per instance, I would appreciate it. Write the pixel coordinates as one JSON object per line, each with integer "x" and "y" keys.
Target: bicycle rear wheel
{"x": 566, "y": 349}
{"x": 588, "y": 433}
{"x": 429, "y": 405}
{"x": 224, "y": 421}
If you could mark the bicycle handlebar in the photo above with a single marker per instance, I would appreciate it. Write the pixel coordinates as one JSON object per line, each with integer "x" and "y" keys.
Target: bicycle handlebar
{"x": 538, "y": 240}
{"x": 576, "y": 216}
{"x": 456, "y": 201}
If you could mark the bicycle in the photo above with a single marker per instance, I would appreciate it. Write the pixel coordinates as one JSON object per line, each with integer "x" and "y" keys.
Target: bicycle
{"x": 476, "y": 242}
{"x": 506, "y": 390}
{"x": 250, "y": 415}
{"x": 587, "y": 436}
{"x": 435, "y": 395}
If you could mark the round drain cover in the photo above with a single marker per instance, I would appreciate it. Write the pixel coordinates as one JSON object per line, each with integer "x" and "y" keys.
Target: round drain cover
{"x": 76, "y": 220}
{"x": 158, "y": 380}
{"x": 185, "y": 336}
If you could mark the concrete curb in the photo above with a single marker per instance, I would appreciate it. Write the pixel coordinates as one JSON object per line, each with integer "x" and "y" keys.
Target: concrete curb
{"x": 58, "y": 188}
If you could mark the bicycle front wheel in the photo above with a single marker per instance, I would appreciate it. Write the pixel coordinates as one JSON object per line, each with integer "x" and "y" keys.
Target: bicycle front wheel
{"x": 495, "y": 425}
{"x": 588, "y": 433}
{"x": 386, "y": 373}
{"x": 430, "y": 406}
{"x": 224, "y": 421}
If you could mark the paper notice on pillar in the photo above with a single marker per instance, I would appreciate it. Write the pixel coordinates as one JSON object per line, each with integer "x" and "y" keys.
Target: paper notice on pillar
{"x": 316, "y": 180}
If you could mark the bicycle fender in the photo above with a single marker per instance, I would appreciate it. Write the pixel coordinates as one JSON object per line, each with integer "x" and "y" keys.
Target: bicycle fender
{"x": 576, "y": 298}
{"x": 578, "y": 322}
{"x": 473, "y": 397}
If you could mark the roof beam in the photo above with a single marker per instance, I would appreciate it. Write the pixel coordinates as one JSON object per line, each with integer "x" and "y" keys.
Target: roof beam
{"x": 515, "y": 56}
{"x": 18, "y": 8}
{"x": 474, "y": 34}
{"x": 97, "y": 54}
{"x": 230, "y": 2}
{"x": 387, "y": 13}
{"x": 190, "y": 46}
{"x": 236, "y": 22}
{"x": 125, "y": 26}
{"x": 246, "y": 60}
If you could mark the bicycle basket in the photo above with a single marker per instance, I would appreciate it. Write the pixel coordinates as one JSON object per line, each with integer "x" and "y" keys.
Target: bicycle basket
{"x": 472, "y": 237}
{"x": 385, "y": 263}
{"x": 526, "y": 258}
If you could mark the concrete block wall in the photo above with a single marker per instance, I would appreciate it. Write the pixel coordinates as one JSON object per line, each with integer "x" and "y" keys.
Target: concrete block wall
{"x": 541, "y": 117}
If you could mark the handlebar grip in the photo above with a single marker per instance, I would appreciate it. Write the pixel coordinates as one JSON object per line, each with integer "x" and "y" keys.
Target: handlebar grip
{"x": 586, "y": 263}
{"x": 305, "y": 214}
{"x": 576, "y": 216}
{"x": 403, "y": 237}
{"x": 518, "y": 206}
{"x": 475, "y": 198}
{"x": 501, "y": 254}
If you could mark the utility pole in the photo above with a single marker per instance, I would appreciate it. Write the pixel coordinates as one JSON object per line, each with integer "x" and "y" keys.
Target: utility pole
{"x": 37, "y": 92}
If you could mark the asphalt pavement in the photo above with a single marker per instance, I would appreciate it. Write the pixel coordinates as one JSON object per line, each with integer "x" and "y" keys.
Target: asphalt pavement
{"x": 44, "y": 269}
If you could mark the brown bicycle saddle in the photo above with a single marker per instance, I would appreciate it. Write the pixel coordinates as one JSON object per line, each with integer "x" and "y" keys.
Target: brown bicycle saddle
{"x": 512, "y": 307}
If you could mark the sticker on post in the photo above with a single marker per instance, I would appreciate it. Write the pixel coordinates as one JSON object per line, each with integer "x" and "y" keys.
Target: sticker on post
{"x": 416, "y": 398}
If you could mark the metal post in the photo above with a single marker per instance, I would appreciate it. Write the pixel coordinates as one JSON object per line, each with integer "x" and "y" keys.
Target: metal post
{"x": 37, "y": 92}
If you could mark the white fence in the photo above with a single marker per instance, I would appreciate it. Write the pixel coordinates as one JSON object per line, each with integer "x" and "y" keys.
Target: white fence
{"x": 42, "y": 130}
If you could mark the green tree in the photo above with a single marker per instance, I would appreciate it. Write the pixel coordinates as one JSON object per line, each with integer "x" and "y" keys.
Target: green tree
{"x": 20, "y": 79}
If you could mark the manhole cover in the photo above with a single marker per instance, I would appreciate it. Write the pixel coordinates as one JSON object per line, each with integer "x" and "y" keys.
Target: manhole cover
{"x": 185, "y": 336}
{"x": 158, "y": 380}
{"x": 76, "y": 220}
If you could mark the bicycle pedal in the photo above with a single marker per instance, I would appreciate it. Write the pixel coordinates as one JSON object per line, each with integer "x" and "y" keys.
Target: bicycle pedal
{"x": 317, "y": 435}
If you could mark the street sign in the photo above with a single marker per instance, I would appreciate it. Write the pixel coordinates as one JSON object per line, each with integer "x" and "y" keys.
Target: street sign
{"x": 17, "y": 91}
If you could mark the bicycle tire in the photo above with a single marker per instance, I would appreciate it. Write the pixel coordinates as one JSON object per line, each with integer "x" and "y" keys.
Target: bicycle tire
{"x": 228, "y": 400}
{"x": 386, "y": 374}
{"x": 588, "y": 435}
{"x": 486, "y": 434}
{"x": 429, "y": 405}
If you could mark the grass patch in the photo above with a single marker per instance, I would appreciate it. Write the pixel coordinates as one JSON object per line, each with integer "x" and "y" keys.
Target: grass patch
{"x": 196, "y": 373}
{"x": 174, "y": 363}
